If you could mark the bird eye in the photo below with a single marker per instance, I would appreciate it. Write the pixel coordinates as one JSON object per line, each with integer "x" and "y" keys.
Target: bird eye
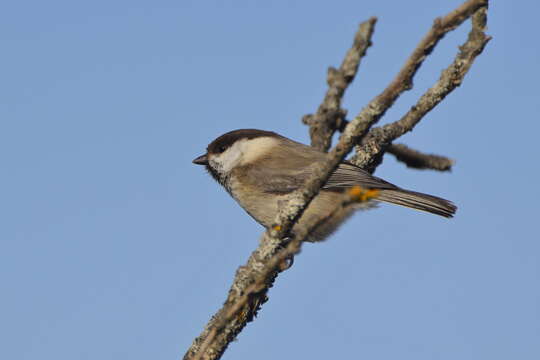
{"x": 221, "y": 149}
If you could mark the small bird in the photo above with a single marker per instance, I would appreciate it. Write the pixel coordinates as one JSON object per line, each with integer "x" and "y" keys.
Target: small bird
{"x": 260, "y": 169}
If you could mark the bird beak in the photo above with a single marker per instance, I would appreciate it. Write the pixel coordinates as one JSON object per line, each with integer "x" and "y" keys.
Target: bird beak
{"x": 201, "y": 160}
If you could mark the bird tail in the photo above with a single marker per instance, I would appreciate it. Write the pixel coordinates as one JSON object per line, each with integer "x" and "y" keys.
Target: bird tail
{"x": 418, "y": 201}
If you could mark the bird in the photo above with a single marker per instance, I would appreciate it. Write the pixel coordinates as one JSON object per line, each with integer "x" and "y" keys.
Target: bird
{"x": 260, "y": 169}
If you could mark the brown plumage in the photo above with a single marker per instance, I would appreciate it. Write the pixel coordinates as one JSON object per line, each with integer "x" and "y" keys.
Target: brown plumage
{"x": 260, "y": 168}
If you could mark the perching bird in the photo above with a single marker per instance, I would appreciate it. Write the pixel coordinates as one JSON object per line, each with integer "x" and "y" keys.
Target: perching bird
{"x": 261, "y": 168}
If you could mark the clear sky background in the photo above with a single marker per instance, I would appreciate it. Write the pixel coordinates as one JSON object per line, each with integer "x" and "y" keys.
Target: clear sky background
{"x": 113, "y": 245}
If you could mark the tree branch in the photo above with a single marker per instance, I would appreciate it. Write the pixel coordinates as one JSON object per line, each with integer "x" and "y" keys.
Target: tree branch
{"x": 417, "y": 160}
{"x": 327, "y": 119}
{"x": 253, "y": 280}
{"x": 370, "y": 151}
{"x": 247, "y": 301}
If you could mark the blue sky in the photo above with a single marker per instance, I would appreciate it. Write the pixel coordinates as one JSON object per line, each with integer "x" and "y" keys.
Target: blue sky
{"x": 113, "y": 245}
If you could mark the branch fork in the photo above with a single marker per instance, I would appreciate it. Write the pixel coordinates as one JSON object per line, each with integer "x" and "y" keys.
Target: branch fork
{"x": 253, "y": 280}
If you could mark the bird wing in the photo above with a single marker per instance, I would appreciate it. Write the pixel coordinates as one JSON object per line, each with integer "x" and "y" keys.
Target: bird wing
{"x": 345, "y": 176}
{"x": 348, "y": 175}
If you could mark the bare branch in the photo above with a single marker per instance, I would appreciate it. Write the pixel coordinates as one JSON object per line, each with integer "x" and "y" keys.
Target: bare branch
{"x": 274, "y": 265}
{"x": 253, "y": 280}
{"x": 242, "y": 303}
{"x": 417, "y": 160}
{"x": 369, "y": 153}
{"x": 403, "y": 81}
{"x": 326, "y": 120}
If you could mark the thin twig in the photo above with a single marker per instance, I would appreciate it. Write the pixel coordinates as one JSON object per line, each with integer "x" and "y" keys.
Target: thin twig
{"x": 326, "y": 120}
{"x": 418, "y": 160}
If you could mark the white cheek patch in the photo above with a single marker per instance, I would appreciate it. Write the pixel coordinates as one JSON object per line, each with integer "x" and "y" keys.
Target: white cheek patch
{"x": 255, "y": 148}
{"x": 231, "y": 157}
